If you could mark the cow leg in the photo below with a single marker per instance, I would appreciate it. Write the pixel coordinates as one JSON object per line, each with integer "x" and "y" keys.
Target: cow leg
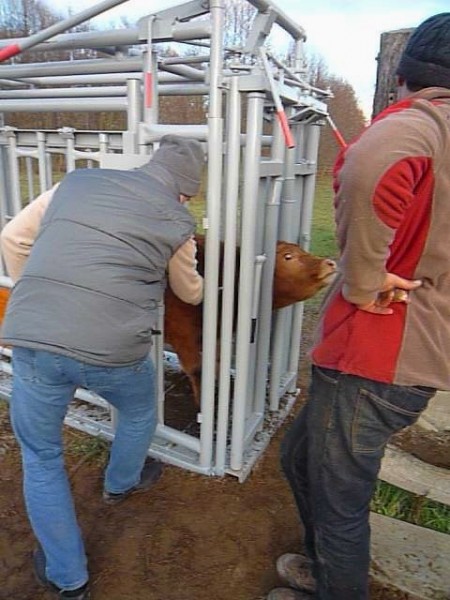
{"x": 189, "y": 354}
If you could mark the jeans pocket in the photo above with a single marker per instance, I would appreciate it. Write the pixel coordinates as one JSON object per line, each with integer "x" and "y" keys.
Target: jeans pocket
{"x": 328, "y": 375}
{"x": 376, "y": 418}
{"x": 24, "y": 364}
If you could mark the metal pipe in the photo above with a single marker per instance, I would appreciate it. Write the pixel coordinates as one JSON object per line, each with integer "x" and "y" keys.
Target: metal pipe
{"x": 177, "y": 31}
{"x": 287, "y": 231}
{"x": 311, "y": 152}
{"x": 297, "y": 32}
{"x": 33, "y": 40}
{"x": 150, "y": 133}
{"x": 64, "y": 93}
{"x": 14, "y": 173}
{"x": 212, "y": 247}
{"x": 246, "y": 273}
{"x": 42, "y": 160}
{"x": 233, "y": 154}
{"x": 270, "y": 239}
{"x": 70, "y": 67}
{"x": 134, "y": 112}
{"x": 84, "y": 39}
{"x": 279, "y": 108}
{"x": 185, "y": 71}
{"x": 65, "y": 105}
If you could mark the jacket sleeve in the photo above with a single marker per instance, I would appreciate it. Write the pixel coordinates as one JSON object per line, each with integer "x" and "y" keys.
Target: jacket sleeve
{"x": 376, "y": 185}
{"x": 17, "y": 237}
{"x": 184, "y": 279}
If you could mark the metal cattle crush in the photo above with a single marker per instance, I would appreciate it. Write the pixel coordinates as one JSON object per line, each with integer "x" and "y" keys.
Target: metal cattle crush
{"x": 261, "y": 134}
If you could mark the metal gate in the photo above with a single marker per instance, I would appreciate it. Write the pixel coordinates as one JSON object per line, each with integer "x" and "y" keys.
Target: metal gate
{"x": 261, "y": 135}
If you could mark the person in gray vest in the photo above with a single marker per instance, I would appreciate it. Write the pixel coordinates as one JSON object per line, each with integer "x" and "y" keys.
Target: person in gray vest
{"x": 81, "y": 315}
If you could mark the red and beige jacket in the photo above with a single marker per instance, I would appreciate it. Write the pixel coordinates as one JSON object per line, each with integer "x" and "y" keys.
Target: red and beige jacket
{"x": 392, "y": 210}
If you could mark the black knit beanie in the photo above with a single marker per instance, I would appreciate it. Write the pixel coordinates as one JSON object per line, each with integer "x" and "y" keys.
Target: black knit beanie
{"x": 184, "y": 158}
{"x": 426, "y": 58}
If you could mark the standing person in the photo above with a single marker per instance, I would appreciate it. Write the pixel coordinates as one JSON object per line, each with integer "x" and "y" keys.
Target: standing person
{"x": 376, "y": 363}
{"x": 81, "y": 315}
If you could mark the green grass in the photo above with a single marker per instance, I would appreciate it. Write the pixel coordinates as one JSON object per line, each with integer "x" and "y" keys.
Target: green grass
{"x": 323, "y": 240}
{"x": 91, "y": 449}
{"x": 391, "y": 501}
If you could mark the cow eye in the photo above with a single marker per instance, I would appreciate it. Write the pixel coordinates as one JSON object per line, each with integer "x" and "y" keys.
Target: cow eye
{"x": 288, "y": 256}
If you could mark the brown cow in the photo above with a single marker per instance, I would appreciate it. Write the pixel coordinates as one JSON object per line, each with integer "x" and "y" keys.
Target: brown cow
{"x": 298, "y": 275}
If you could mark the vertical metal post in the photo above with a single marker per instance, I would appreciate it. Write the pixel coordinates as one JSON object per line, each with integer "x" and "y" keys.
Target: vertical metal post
{"x": 134, "y": 116}
{"x": 270, "y": 239}
{"x": 233, "y": 153}
{"x": 292, "y": 200}
{"x": 67, "y": 133}
{"x": 212, "y": 247}
{"x": 4, "y": 180}
{"x": 16, "y": 203}
{"x": 150, "y": 78}
{"x": 30, "y": 177}
{"x": 311, "y": 152}
{"x": 246, "y": 273}
{"x": 42, "y": 161}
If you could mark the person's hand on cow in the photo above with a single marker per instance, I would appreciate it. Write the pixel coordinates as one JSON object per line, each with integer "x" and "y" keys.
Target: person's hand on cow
{"x": 394, "y": 289}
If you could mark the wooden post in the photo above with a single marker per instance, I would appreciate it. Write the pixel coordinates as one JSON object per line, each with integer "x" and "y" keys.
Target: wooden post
{"x": 392, "y": 44}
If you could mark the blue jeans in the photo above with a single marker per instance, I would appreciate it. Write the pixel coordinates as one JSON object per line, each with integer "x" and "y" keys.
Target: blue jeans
{"x": 331, "y": 457}
{"x": 43, "y": 385}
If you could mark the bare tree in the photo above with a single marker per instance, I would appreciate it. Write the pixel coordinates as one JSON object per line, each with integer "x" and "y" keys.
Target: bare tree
{"x": 239, "y": 15}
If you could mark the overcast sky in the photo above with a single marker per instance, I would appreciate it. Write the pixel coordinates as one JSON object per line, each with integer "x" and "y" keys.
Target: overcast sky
{"x": 345, "y": 33}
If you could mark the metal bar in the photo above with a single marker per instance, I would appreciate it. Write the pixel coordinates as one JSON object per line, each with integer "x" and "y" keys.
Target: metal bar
{"x": 246, "y": 273}
{"x": 212, "y": 249}
{"x": 233, "y": 154}
{"x": 296, "y": 31}
{"x": 149, "y": 133}
{"x": 73, "y": 67}
{"x": 287, "y": 231}
{"x": 281, "y": 113}
{"x": 42, "y": 160}
{"x": 65, "y": 105}
{"x": 270, "y": 239}
{"x": 64, "y": 93}
{"x": 311, "y": 153}
{"x": 33, "y": 40}
{"x": 185, "y": 71}
{"x": 150, "y": 75}
{"x": 16, "y": 201}
{"x": 29, "y": 172}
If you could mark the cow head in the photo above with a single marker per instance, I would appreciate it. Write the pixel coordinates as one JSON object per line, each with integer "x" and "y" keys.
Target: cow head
{"x": 299, "y": 275}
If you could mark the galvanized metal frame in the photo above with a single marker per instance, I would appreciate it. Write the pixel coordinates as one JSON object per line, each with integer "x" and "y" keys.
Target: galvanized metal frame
{"x": 259, "y": 190}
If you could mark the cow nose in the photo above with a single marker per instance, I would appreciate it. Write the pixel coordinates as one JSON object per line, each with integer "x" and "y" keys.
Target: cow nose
{"x": 331, "y": 263}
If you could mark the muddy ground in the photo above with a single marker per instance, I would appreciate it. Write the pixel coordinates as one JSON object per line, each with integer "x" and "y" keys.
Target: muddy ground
{"x": 191, "y": 538}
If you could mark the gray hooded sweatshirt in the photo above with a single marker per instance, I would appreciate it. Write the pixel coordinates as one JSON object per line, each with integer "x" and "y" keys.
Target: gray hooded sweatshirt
{"x": 97, "y": 270}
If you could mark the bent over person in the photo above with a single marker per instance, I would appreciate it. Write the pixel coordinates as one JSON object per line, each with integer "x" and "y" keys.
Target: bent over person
{"x": 81, "y": 314}
{"x": 376, "y": 362}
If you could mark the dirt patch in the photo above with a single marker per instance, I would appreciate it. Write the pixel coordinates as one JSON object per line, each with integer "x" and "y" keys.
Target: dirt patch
{"x": 432, "y": 448}
{"x": 191, "y": 537}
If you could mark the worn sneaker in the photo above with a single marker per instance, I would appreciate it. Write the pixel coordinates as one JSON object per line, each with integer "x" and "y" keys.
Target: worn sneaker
{"x": 295, "y": 571}
{"x": 39, "y": 565}
{"x": 288, "y": 594}
{"x": 150, "y": 474}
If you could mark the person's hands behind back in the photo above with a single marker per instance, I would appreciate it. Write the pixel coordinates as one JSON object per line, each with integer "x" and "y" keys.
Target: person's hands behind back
{"x": 394, "y": 289}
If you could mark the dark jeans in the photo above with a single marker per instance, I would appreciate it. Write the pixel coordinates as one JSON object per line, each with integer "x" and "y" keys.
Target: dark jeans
{"x": 331, "y": 457}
